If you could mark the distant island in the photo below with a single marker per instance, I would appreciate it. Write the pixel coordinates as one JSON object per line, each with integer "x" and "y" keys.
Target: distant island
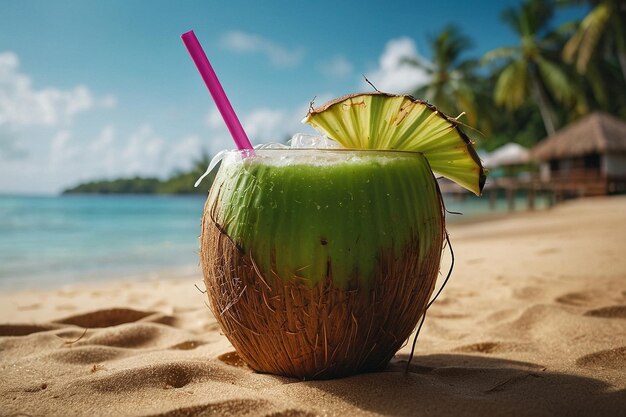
{"x": 179, "y": 183}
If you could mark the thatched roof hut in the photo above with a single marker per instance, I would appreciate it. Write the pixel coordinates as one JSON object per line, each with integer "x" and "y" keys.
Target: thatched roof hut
{"x": 510, "y": 154}
{"x": 587, "y": 156}
{"x": 596, "y": 133}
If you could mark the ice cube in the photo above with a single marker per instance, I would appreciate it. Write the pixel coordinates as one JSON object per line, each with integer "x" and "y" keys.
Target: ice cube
{"x": 271, "y": 145}
{"x": 306, "y": 141}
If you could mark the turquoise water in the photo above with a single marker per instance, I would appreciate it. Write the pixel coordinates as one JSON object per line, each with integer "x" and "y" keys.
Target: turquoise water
{"x": 51, "y": 241}
{"x": 472, "y": 207}
{"x": 55, "y": 240}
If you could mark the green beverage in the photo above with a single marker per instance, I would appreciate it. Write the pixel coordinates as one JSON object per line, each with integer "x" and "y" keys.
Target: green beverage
{"x": 319, "y": 263}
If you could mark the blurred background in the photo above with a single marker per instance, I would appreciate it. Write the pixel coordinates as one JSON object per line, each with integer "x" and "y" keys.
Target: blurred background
{"x": 105, "y": 123}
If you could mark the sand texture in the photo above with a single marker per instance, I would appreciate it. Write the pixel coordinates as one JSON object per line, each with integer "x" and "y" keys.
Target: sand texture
{"x": 532, "y": 323}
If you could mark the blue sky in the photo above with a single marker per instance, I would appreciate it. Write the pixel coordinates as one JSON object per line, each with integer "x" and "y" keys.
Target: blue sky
{"x": 104, "y": 89}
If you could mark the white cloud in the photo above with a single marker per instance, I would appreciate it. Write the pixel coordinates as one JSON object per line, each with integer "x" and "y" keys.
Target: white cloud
{"x": 23, "y": 105}
{"x": 104, "y": 140}
{"x": 214, "y": 119}
{"x": 11, "y": 146}
{"x": 110, "y": 155}
{"x": 184, "y": 152}
{"x": 337, "y": 66}
{"x": 108, "y": 102}
{"x": 394, "y": 74}
{"x": 261, "y": 124}
{"x": 264, "y": 124}
{"x": 60, "y": 151}
{"x": 42, "y": 150}
{"x": 143, "y": 154}
{"x": 278, "y": 55}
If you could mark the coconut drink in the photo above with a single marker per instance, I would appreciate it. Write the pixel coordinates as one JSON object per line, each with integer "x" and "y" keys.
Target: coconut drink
{"x": 319, "y": 263}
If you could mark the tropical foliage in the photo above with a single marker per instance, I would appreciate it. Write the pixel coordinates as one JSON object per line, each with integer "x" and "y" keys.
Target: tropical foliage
{"x": 532, "y": 68}
{"x": 553, "y": 75}
{"x": 452, "y": 78}
{"x": 601, "y": 32}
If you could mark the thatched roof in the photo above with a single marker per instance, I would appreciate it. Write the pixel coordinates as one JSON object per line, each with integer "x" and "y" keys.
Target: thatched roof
{"x": 595, "y": 133}
{"x": 506, "y": 155}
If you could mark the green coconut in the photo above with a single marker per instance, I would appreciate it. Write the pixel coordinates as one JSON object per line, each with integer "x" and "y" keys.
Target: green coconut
{"x": 319, "y": 263}
{"x": 305, "y": 220}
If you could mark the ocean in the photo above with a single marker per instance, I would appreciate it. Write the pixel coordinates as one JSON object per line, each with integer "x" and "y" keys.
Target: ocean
{"x": 49, "y": 241}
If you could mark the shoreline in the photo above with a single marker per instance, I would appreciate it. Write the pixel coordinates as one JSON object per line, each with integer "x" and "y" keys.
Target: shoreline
{"x": 145, "y": 275}
{"x": 54, "y": 280}
{"x": 140, "y": 274}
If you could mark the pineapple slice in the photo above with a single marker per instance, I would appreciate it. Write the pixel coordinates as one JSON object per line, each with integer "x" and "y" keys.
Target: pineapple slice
{"x": 385, "y": 121}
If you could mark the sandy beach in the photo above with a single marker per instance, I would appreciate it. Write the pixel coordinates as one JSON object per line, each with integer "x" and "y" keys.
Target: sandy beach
{"x": 532, "y": 323}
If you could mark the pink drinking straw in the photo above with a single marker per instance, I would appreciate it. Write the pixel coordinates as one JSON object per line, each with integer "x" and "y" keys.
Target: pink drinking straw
{"x": 216, "y": 90}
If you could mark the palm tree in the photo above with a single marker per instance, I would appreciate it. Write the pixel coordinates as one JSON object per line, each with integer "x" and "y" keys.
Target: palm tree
{"x": 604, "y": 25}
{"x": 532, "y": 68}
{"x": 452, "y": 78}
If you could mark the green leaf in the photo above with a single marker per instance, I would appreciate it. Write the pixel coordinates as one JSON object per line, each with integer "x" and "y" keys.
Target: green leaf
{"x": 512, "y": 86}
{"x": 506, "y": 52}
{"x": 556, "y": 80}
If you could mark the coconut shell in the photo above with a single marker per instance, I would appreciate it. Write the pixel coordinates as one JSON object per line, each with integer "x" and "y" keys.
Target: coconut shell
{"x": 291, "y": 328}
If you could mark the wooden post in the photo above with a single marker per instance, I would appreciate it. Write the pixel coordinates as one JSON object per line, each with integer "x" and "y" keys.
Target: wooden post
{"x": 550, "y": 196}
{"x": 558, "y": 196}
{"x": 531, "y": 197}
{"x": 493, "y": 196}
{"x": 510, "y": 195}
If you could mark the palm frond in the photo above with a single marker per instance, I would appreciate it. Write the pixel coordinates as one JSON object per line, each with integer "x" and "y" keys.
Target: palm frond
{"x": 511, "y": 17}
{"x": 418, "y": 63}
{"x": 450, "y": 72}
{"x": 571, "y": 2}
{"x": 568, "y": 28}
{"x": 511, "y": 89}
{"x": 468, "y": 66}
{"x": 556, "y": 81}
{"x": 449, "y": 45}
{"x": 597, "y": 83}
{"x": 536, "y": 15}
{"x": 591, "y": 29}
{"x": 506, "y": 52}
{"x": 467, "y": 102}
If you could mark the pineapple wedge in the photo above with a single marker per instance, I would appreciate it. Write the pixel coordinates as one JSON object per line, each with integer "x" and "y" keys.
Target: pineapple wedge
{"x": 385, "y": 121}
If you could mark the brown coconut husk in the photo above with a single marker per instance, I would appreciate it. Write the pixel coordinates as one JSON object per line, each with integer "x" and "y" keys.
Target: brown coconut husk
{"x": 285, "y": 326}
